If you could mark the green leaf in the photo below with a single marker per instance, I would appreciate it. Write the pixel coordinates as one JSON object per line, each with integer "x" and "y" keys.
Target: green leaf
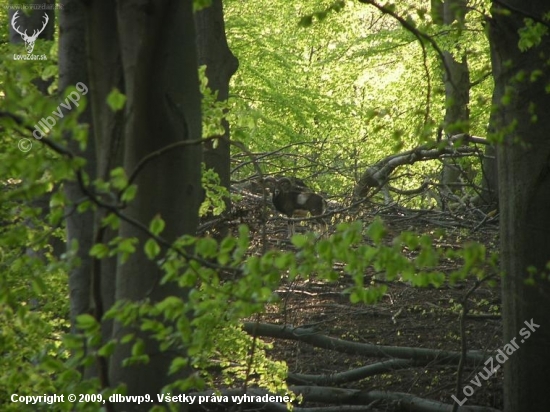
{"x": 207, "y": 247}
{"x": 56, "y": 215}
{"x": 129, "y": 193}
{"x": 51, "y": 365}
{"x": 228, "y": 244}
{"x": 356, "y": 296}
{"x": 531, "y": 35}
{"x": 99, "y": 250}
{"x": 107, "y": 349}
{"x": 38, "y": 286}
{"x": 127, "y": 338}
{"x": 157, "y": 225}
{"x": 49, "y": 71}
{"x": 224, "y": 258}
{"x": 170, "y": 304}
{"x": 58, "y": 199}
{"x": 376, "y": 230}
{"x": 118, "y": 178}
{"x": 152, "y": 248}
{"x": 111, "y": 220}
{"x": 127, "y": 245}
{"x": 299, "y": 240}
{"x": 73, "y": 342}
{"x": 284, "y": 260}
{"x": 84, "y": 206}
{"x": 178, "y": 364}
{"x": 86, "y": 322}
{"x": 138, "y": 348}
{"x": 116, "y": 100}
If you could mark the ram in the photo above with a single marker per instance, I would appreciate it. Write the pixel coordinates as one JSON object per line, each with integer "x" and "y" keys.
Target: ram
{"x": 295, "y": 200}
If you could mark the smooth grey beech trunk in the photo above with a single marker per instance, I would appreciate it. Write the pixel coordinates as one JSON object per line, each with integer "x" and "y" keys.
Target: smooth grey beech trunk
{"x": 105, "y": 73}
{"x": 524, "y": 191}
{"x": 92, "y": 281}
{"x": 160, "y": 66}
{"x": 148, "y": 51}
{"x": 221, "y": 64}
{"x": 80, "y": 226}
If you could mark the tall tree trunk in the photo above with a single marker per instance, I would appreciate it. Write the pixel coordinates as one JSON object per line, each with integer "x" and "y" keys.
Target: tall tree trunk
{"x": 80, "y": 226}
{"x": 524, "y": 193}
{"x": 221, "y": 64}
{"x": 457, "y": 94}
{"x": 159, "y": 60}
{"x": 105, "y": 74}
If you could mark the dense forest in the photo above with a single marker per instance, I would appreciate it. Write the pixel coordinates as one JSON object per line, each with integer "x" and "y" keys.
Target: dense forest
{"x": 317, "y": 205}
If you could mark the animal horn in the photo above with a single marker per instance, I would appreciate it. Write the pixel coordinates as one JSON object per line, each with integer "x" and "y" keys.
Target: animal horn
{"x": 285, "y": 183}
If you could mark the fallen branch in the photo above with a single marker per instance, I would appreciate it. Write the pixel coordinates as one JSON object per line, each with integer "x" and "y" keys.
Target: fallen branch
{"x": 318, "y": 340}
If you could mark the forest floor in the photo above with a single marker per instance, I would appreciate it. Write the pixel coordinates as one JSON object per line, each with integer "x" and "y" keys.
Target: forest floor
{"x": 405, "y": 317}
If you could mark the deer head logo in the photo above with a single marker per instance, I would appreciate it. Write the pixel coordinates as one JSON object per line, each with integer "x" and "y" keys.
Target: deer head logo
{"x": 29, "y": 40}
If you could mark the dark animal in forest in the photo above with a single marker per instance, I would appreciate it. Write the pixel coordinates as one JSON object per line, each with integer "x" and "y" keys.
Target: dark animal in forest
{"x": 293, "y": 198}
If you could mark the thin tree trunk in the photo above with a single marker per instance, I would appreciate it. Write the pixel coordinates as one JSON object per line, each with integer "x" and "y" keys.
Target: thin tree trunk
{"x": 457, "y": 95}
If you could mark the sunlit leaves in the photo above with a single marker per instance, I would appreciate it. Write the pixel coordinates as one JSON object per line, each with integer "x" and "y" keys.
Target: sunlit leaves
{"x": 213, "y": 110}
{"x": 351, "y": 84}
{"x": 49, "y": 71}
{"x": 215, "y": 194}
{"x": 531, "y": 34}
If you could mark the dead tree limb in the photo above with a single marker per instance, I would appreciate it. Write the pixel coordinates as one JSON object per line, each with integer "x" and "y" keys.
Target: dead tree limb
{"x": 378, "y": 175}
{"x": 354, "y": 348}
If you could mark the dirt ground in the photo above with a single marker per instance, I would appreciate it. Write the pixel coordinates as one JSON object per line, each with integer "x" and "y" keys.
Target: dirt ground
{"x": 405, "y": 317}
